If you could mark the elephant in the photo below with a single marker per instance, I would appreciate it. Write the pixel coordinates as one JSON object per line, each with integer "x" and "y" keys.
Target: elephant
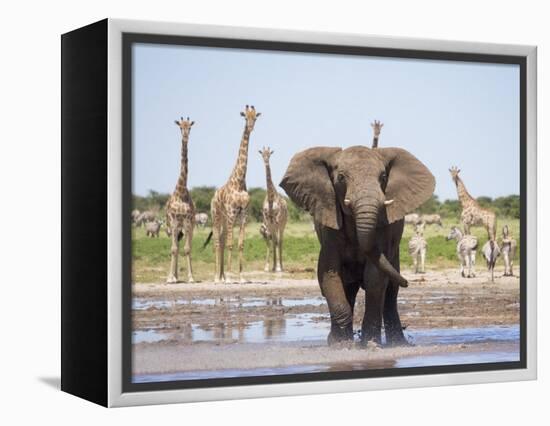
{"x": 358, "y": 198}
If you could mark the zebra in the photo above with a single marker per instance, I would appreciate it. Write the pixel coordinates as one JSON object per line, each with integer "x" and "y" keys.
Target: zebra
{"x": 491, "y": 252}
{"x": 412, "y": 219}
{"x": 201, "y": 219}
{"x": 417, "y": 248}
{"x": 146, "y": 216}
{"x": 431, "y": 219}
{"x": 152, "y": 229}
{"x": 466, "y": 246}
{"x": 509, "y": 247}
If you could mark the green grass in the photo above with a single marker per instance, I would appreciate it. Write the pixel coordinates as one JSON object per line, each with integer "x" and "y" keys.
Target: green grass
{"x": 152, "y": 255}
{"x": 300, "y": 252}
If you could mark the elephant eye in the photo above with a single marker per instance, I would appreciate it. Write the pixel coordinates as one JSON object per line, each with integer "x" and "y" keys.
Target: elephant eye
{"x": 341, "y": 177}
{"x": 383, "y": 178}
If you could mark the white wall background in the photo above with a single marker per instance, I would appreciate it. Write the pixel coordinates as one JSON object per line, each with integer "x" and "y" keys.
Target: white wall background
{"x": 30, "y": 209}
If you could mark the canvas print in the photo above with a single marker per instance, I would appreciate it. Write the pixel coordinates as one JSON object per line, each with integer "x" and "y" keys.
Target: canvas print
{"x": 302, "y": 213}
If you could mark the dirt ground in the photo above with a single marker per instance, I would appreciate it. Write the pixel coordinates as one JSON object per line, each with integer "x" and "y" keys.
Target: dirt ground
{"x": 438, "y": 299}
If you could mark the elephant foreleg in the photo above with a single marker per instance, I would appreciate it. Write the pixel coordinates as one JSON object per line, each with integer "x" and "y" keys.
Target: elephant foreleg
{"x": 332, "y": 288}
{"x": 376, "y": 283}
{"x": 392, "y": 323}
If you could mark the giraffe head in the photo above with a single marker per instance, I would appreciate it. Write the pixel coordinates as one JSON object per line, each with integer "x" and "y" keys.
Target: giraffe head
{"x": 266, "y": 152}
{"x": 454, "y": 173}
{"x": 377, "y": 127}
{"x": 185, "y": 126}
{"x": 250, "y": 115}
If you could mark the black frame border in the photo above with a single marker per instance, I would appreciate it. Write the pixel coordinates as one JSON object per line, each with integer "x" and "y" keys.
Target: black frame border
{"x": 84, "y": 185}
{"x": 128, "y": 39}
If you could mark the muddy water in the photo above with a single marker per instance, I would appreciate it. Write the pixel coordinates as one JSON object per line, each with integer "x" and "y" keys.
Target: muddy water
{"x": 308, "y": 326}
{"x": 303, "y": 327}
{"x": 230, "y": 302}
{"x": 314, "y": 328}
{"x": 303, "y": 322}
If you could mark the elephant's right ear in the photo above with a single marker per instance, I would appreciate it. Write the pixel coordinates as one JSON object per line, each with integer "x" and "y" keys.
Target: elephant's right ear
{"x": 308, "y": 183}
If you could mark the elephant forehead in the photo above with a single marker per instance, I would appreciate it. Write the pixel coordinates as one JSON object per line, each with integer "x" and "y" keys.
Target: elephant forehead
{"x": 360, "y": 156}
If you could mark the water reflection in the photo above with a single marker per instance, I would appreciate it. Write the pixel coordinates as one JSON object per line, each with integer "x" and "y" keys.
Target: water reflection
{"x": 231, "y": 302}
{"x": 313, "y": 327}
{"x": 273, "y": 328}
{"x": 359, "y": 366}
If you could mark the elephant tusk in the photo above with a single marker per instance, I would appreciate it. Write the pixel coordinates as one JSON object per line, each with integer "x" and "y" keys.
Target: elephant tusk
{"x": 347, "y": 202}
{"x": 388, "y": 202}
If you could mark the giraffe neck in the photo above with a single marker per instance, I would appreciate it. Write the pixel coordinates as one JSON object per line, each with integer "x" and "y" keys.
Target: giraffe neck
{"x": 238, "y": 176}
{"x": 463, "y": 195}
{"x": 181, "y": 186}
{"x": 375, "y": 142}
{"x": 269, "y": 185}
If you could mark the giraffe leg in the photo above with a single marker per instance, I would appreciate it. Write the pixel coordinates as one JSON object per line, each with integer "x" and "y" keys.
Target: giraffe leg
{"x": 218, "y": 251}
{"x": 174, "y": 252}
{"x": 494, "y": 228}
{"x": 241, "y": 246}
{"x": 280, "y": 254}
{"x": 267, "y": 255}
{"x": 274, "y": 249}
{"x": 222, "y": 253}
{"x": 216, "y": 235}
{"x": 229, "y": 243}
{"x": 266, "y": 267}
{"x": 415, "y": 262}
{"x": 187, "y": 251}
{"x": 473, "y": 264}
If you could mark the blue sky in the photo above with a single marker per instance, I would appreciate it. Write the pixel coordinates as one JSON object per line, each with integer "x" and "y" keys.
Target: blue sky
{"x": 445, "y": 113}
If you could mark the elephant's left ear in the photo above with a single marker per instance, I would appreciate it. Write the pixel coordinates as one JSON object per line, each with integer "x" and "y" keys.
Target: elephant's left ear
{"x": 410, "y": 183}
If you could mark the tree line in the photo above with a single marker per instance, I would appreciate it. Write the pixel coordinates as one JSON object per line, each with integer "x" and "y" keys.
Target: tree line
{"x": 508, "y": 206}
{"x": 202, "y": 195}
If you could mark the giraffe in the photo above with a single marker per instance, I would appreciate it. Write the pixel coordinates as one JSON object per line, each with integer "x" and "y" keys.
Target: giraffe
{"x": 229, "y": 205}
{"x": 180, "y": 211}
{"x": 275, "y": 213}
{"x": 376, "y": 127}
{"x": 472, "y": 213}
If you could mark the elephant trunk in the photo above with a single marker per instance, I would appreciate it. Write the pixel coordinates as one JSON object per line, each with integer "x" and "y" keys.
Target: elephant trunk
{"x": 366, "y": 219}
